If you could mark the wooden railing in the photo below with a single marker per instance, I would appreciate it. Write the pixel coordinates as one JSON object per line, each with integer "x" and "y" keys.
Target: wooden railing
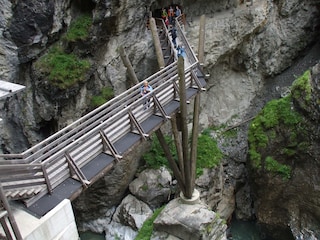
{"x": 47, "y": 164}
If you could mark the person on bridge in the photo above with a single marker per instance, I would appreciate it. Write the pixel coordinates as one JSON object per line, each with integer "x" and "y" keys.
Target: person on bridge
{"x": 166, "y": 21}
{"x": 178, "y": 11}
{"x": 171, "y": 14}
{"x": 181, "y": 51}
{"x": 173, "y": 32}
{"x": 144, "y": 90}
{"x": 164, "y": 14}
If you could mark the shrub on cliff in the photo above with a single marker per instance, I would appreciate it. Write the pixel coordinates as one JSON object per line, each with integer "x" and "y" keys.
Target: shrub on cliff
{"x": 208, "y": 153}
{"x": 278, "y": 131}
{"x": 63, "y": 70}
{"x": 79, "y": 29}
{"x": 106, "y": 94}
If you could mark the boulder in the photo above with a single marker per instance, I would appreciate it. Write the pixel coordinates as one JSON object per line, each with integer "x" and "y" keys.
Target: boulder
{"x": 154, "y": 187}
{"x": 190, "y": 222}
{"x": 132, "y": 212}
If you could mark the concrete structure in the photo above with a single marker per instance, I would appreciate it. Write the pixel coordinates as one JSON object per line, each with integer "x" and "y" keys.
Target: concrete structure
{"x": 58, "y": 224}
{"x": 8, "y": 88}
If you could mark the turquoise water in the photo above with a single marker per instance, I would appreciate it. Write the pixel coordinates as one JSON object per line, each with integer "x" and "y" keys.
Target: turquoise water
{"x": 91, "y": 236}
{"x": 243, "y": 230}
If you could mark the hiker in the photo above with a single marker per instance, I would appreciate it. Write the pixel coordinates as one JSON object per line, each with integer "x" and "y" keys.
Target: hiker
{"x": 181, "y": 51}
{"x": 171, "y": 14}
{"x": 173, "y": 33}
{"x": 178, "y": 11}
{"x": 167, "y": 23}
{"x": 164, "y": 14}
{"x": 144, "y": 90}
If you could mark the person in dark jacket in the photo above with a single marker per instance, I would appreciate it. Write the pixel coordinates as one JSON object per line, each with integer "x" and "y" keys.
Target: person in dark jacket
{"x": 173, "y": 33}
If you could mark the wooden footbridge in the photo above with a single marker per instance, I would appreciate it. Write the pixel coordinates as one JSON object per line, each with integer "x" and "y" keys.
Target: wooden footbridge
{"x": 69, "y": 161}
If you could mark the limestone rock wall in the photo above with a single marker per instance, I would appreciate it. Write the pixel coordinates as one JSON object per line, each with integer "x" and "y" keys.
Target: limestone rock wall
{"x": 289, "y": 206}
{"x": 244, "y": 46}
{"x": 30, "y": 29}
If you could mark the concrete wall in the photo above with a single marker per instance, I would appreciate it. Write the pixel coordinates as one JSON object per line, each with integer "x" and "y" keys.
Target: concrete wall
{"x": 58, "y": 224}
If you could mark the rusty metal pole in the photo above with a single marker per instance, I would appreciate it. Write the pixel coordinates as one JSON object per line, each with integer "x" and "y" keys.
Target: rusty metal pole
{"x": 128, "y": 65}
{"x": 157, "y": 43}
{"x": 201, "y": 40}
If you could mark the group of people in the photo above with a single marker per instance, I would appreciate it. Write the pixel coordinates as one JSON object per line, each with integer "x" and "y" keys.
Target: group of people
{"x": 180, "y": 48}
{"x": 169, "y": 19}
{"x": 169, "y": 15}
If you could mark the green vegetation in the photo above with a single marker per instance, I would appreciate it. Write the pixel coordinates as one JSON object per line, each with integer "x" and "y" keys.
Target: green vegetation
{"x": 208, "y": 153}
{"x": 278, "y": 168}
{"x": 156, "y": 158}
{"x": 64, "y": 70}
{"x": 275, "y": 114}
{"x": 280, "y": 124}
{"x": 106, "y": 94}
{"x": 230, "y": 133}
{"x": 301, "y": 88}
{"x": 79, "y": 29}
{"x": 146, "y": 230}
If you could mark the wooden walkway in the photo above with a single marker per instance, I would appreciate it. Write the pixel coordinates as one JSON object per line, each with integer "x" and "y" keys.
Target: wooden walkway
{"x": 69, "y": 161}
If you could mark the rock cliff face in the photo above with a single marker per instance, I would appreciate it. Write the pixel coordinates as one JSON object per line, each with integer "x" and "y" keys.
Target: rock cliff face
{"x": 31, "y": 29}
{"x": 285, "y": 177}
{"x": 244, "y": 47}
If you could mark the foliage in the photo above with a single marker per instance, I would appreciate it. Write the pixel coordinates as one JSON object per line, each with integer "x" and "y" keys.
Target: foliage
{"x": 79, "y": 29}
{"x": 156, "y": 158}
{"x": 276, "y": 113}
{"x": 278, "y": 168}
{"x": 106, "y": 94}
{"x": 301, "y": 87}
{"x": 230, "y": 133}
{"x": 289, "y": 151}
{"x": 146, "y": 230}
{"x": 64, "y": 70}
{"x": 208, "y": 153}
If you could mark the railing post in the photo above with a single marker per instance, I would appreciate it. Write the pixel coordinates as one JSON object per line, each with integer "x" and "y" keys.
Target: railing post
{"x": 72, "y": 165}
{"x": 13, "y": 223}
{"x": 107, "y": 144}
{"x": 46, "y": 177}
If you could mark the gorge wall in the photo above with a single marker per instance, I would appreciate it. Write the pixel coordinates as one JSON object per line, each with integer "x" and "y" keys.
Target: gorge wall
{"x": 245, "y": 46}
